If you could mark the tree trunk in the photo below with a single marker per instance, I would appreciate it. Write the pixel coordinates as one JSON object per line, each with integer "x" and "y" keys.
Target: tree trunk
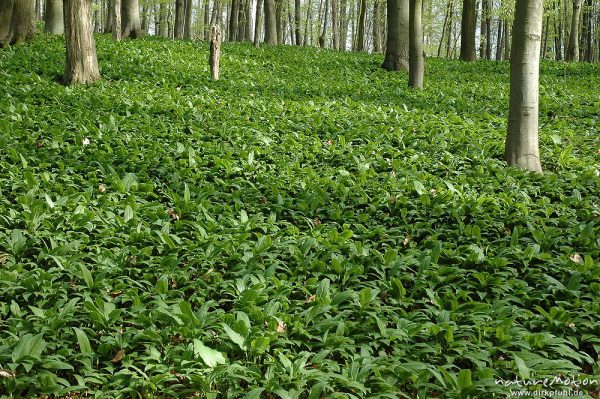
{"x": 130, "y": 19}
{"x": 248, "y": 22}
{"x": 499, "y": 41}
{"x": 297, "y": 22}
{"x": 187, "y": 30}
{"x": 589, "y": 52}
{"x": 483, "y": 33}
{"x": 82, "y": 63}
{"x": 6, "y": 9}
{"x": 206, "y": 34}
{"x": 279, "y": 21}
{"x": 450, "y": 29}
{"x": 335, "y": 25}
{"x": 444, "y": 25}
{"x": 397, "y": 43}
{"x": 270, "y": 23}
{"x": 22, "y": 22}
{"x": 145, "y": 25}
{"x": 324, "y": 31}
{"x": 573, "y": 50}
{"x": 308, "y": 21}
{"x": 343, "y": 25}
{"x": 117, "y": 20}
{"x": 467, "y": 31}
{"x": 215, "y": 51}
{"x": 507, "y": 41}
{"x": 179, "y": 19}
{"x": 163, "y": 25}
{"x": 488, "y": 24}
{"x": 360, "y": 38}
{"x": 522, "y": 136}
{"x": 376, "y": 27}
{"x": 416, "y": 58}
{"x": 258, "y": 22}
{"x": 53, "y": 17}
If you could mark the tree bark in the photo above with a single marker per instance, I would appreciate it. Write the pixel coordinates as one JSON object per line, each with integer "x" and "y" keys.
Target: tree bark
{"x": 297, "y": 21}
{"x": 117, "y": 23}
{"x": 522, "y": 136}
{"x": 335, "y": 24}
{"x": 360, "y": 36}
{"x": 130, "y": 19}
{"x": 499, "y": 42}
{"x": 270, "y": 23}
{"x": 187, "y": 31}
{"x": 179, "y": 19}
{"x": 258, "y": 22}
{"x": 467, "y": 31}
{"x": 343, "y": 25}
{"x": 206, "y": 33}
{"x": 450, "y": 29}
{"x": 279, "y": 20}
{"x": 397, "y": 43}
{"x": 376, "y": 27}
{"x": 573, "y": 49}
{"x": 53, "y": 17}
{"x": 82, "y": 63}
{"x": 6, "y": 9}
{"x": 308, "y": 22}
{"x": 163, "y": 25}
{"x": 22, "y": 22}
{"x": 416, "y": 58}
{"x": 483, "y": 32}
{"x": 215, "y": 51}
{"x": 324, "y": 31}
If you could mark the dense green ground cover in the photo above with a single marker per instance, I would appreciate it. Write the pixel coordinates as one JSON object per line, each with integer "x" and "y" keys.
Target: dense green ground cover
{"x": 306, "y": 227}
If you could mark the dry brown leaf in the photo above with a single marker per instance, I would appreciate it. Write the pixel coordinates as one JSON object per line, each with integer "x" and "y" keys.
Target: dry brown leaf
{"x": 281, "y": 327}
{"x": 6, "y": 374}
{"x": 311, "y": 298}
{"x": 118, "y": 356}
{"x": 576, "y": 258}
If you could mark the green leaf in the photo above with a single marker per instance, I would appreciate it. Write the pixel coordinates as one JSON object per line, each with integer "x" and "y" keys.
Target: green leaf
{"x": 522, "y": 367}
{"x": 83, "y": 341}
{"x": 235, "y": 337}
{"x": 209, "y": 356}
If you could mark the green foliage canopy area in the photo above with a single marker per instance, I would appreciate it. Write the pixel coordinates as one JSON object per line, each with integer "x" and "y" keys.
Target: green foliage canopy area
{"x": 306, "y": 227}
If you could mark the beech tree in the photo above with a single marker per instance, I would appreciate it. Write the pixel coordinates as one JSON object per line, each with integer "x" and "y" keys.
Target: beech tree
{"x": 17, "y": 21}
{"x": 573, "y": 49}
{"x": 396, "y": 49}
{"x": 54, "y": 17}
{"x": 416, "y": 58}
{"x": 270, "y": 23}
{"x": 522, "y": 148}
{"x": 130, "y": 19}
{"x": 467, "y": 31}
{"x": 82, "y": 63}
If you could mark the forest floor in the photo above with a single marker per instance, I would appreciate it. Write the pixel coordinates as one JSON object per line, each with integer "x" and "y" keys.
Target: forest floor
{"x": 305, "y": 227}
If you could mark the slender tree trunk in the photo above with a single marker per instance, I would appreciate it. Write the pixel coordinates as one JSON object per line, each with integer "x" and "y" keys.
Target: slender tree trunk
{"x": 450, "y": 29}
{"x": 206, "y": 19}
{"x": 215, "y": 51}
{"x": 22, "y": 22}
{"x": 116, "y": 13}
{"x": 189, "y": 10}
{"x": 324, "y": 31}
{"x": 546, "y": 33}
{"x": 108, "y": 23}
{"x": 233, "y": 21}
{"x": 397, "y": 43}
{"x": 467, "y": 31}
{"x": 291, "y": 24}
{"x": 297, "y": 17}
{"x": 343, "y": 24}
{"x": 446, "y": 17}
{"x": 416, "y": 58}
{"x": 360, "y": 38}
{"x": 130, "y": 18}
{"x": 279, "y": 21}
{"x": 488, "y": 24}
{"x": 507, "y": 41}
{"x": 589, "y": 53}
{"x": 248, "y": 22}
{"x": 335, "y": 24}
{"x": 376, "y": 27}
{"x": 499, "y": 41}
{"x": 308, "y": 20}
{"x": 82, "y": 63}
{"x": 145, "y": 25}
{"x": 258, "y": 22}
{"x": 163, "y": 25}
{"x": 573, "y": 50}
{"x": 483, "y": 33}
{"x": 522, "y": 137}
{"x": 53, "y": 17}
{"x": 179, "y": 18}
{"x": 270, "y": 23}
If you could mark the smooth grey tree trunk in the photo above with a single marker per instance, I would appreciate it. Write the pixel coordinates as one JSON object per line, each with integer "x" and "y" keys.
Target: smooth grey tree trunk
{"x": 130, "y": 19}
{"x": 215, "y": 51}
{"x": 396, "y": 49}
{"x": 270, "y": 23}
{"x": 117, "y": 23}
{"x": 297, "y": 22}
{"x": 376, "y": 27}
{"x": 82, "y": 63}
{"x": 6, "y": 9}
{"x": 573, "y": 49}
{"x": 343, "y": 25}
{"x": 53, "y": 17}
{"x": 324, "y": 31}
{"x": 258, "y": 22}
{"x": 467, "y": 31}
{"x": 416, "y": 58}
{"x": 522, "y": 137}
{"x": 206, "y": 34}
{"x": 335, "y": 24}
{"x": 187, "y": 31}
{"x": 163, "y": 26}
